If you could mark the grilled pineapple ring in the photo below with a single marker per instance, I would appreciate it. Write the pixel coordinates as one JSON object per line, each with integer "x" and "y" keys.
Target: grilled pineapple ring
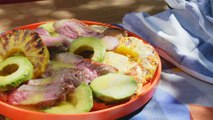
{"x": 142, "y": 53}
{"x": 27, "y": 43}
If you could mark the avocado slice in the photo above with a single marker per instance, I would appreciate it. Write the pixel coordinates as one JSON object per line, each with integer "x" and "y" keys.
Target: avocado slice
{"x": 83, "y": 44}
{"x": 14, "y": 71}
{"x": 113, "y": 87}
{"x": 80, "y": 101}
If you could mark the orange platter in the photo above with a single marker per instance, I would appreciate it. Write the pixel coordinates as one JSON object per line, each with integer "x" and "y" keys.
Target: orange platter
{"x": 115, "y": 112}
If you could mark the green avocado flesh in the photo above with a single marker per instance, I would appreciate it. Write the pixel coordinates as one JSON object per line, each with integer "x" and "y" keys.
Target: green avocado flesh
{"x": 56, "y": 65}
{"x": 89, "y": 43}
{"x": 113, "y": 87}
{"x": 80, "y": 101}
{"x": 14, "y": 71}
{"x": 49, "y": 27}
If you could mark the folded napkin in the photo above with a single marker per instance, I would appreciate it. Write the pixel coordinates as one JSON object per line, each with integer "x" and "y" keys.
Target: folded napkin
{"x": 163, "y": 106}
{"x": 182, "y": 35}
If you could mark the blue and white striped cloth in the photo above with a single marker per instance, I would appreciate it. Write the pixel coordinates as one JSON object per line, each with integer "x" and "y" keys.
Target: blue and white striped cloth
{"x": 175, "y": 92}
{"x": 182, "y": 35}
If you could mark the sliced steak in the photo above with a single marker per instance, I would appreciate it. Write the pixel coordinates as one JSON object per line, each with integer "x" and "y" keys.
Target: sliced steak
{"x": 52, "y": 41}
{"x": 72, "y": 29}
{"x": 69, "y": 58}
{"x": 100, "y": 68}
{"x": 41, "y": 96}
{"x": 47, "y": 91}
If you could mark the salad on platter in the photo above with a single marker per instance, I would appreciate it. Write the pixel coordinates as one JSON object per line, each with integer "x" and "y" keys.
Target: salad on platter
{"x": 67, "y": 67}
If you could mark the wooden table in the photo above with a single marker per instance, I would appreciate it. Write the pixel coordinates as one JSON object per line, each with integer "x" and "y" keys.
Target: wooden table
{"x": 109, "y": 11}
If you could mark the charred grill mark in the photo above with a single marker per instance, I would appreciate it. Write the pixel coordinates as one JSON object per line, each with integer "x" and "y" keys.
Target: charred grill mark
{"x": 29, "y": 44}
{"x": 27, "y": 48}
{"x": 9, "y": 35}
{"x": 28, "y": 32}
{"x": 5, "y": 37}
{"x": 14, "y": 32}
{"x": 25, "y": 35}
{"x": 17, "y": 36}
{"x": 17, "y": 33}
{"x": 35, "y": 35}
{"x": 37, "y": 39}
{"x": 42, "y": 51}
{"x": 5, "y": 41}
{"x": 39, "y": 43}
{"x": 1, "y": 42}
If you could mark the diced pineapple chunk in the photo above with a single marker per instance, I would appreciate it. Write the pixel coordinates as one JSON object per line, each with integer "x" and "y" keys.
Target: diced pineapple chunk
{"x": 127, "y": 47}
{"x": 142, "y": 54}
{"x": 119, "y": 61}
